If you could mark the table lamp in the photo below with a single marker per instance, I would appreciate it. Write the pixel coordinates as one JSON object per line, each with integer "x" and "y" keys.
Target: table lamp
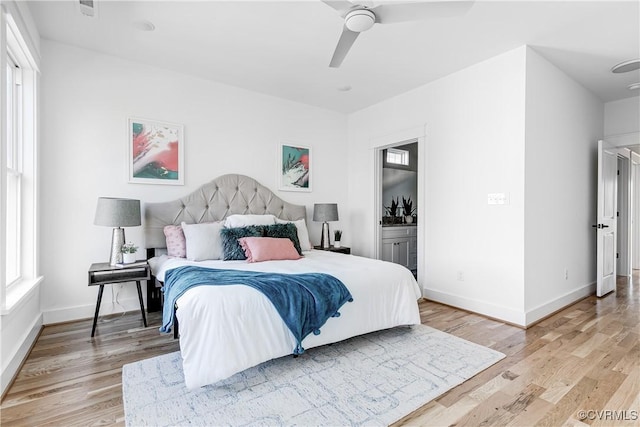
{"x": 325, "y": 212}
{"x": 117, "y": 213}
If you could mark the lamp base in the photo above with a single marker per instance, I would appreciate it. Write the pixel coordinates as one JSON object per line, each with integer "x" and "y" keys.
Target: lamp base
{"x": 117, "y": 240}
{"x": 324, "y": 240}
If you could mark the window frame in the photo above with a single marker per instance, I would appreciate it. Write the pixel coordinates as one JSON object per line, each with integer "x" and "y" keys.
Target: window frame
{"x": 17, "y": 41}
{"x": 396, "y": 156}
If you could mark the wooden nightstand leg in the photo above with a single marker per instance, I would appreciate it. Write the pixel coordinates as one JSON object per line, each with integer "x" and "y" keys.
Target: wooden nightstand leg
{"x": 144, "y": 318}
{"x": 95, "y": 316}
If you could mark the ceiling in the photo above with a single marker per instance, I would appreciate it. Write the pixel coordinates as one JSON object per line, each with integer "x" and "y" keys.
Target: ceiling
{"x": 283, "y": 48}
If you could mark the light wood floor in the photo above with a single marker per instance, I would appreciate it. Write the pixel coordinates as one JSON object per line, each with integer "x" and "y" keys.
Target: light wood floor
{"x": 584, "y": 358}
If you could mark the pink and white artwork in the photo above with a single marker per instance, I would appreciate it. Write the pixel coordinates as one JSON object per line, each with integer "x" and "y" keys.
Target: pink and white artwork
{"x": 155, "y": 152}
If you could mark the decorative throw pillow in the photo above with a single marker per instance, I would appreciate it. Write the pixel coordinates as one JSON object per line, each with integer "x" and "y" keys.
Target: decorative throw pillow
{"x": 203, "y": 240}
{"x": 231, "y": 249}
{"x": 259, "y": 249}
{"x": 176, "y": 243}
{"x": 233, "y": 221}
{"x": 287, "y": 230}
{"x": 303, "y": 232}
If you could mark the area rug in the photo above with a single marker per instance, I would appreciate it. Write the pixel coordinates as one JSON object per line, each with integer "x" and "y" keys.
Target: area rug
{"x": 374, "y": 379}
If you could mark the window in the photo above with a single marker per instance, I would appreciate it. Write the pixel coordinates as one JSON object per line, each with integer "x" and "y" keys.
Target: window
{"x": 14, "y": 171}
{"x": 397, "y": 157}
{"x": 18, "y": 172}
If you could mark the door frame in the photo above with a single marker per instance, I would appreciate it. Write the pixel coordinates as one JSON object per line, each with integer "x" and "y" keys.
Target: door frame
{"x": 635, "y": 211}
{"x": 632, "y": 141}
{"x": 379, "y": 144}
{"x": 624, "y": 206}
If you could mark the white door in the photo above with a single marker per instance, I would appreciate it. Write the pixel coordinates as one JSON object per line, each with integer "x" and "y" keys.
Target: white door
{"x": 607, "y": 218}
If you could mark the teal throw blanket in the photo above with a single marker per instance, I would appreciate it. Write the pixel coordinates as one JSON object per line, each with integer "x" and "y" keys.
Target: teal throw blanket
{"x": 304, "y": 301}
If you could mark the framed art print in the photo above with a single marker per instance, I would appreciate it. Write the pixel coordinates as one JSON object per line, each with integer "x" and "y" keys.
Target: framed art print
{"x": 156, "y": 152}
{"x": 295, "y": 168}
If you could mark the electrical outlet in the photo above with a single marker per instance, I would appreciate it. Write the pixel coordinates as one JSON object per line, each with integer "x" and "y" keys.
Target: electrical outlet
{"x": 566, "y": 274}
{"x": 460, "y": 276}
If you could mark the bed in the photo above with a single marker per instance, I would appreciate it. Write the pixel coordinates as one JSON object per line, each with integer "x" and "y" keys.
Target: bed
{"x": 227, "y": 329}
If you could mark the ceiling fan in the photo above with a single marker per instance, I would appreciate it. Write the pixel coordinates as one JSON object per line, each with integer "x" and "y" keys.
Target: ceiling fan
{"x": 359, "y": 18}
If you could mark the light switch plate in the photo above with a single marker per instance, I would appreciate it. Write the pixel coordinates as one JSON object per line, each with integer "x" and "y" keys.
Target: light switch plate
{"x": 498, "y": 199}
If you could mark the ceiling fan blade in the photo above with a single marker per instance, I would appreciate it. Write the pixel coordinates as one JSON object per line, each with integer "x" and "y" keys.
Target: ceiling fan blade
{"x": 369, "y": 4}
{"x": 403, "y": 12}
{"x": 339, "y": 5}
{"x": 344, "y": 44}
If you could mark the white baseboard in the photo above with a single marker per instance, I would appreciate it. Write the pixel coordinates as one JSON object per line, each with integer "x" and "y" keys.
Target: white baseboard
{"x": 550, "y": 307}
{"x": 15, "y": 362}
{"x": 481, "y": 307}
{"x": 506, "y": 314}
{"x": 87, "y": 311}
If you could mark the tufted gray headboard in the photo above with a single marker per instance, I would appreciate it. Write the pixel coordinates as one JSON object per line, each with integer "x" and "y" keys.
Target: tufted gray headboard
{"x": 214, "y": 201}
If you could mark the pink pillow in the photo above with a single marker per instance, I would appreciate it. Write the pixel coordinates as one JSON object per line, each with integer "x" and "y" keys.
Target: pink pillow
{"x": 176, "y": 243}
{"x": 258, "y": 249}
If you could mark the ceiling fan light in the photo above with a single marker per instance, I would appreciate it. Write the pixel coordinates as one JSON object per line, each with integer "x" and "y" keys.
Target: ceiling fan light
{"x": 359, "y": 20}
{"x": 626, "y": 66}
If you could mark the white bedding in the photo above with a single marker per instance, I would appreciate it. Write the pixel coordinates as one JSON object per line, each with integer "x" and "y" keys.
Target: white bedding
{"x": 227, "y": 329}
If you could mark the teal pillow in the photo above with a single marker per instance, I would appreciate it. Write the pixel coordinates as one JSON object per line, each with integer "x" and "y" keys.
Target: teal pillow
{"x": 288, "y": 231}
{"x": 231, "y": 249}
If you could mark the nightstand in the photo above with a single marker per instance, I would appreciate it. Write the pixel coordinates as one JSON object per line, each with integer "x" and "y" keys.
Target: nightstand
{"x": 102, "y": 273}
{"x": 340, "y": 250}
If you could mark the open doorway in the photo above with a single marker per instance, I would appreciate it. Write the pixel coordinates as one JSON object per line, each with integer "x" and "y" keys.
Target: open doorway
{"x": 627, "y": 212}
{"x": 623, "y": 243}
{"x": 414, "y": 137}
{"x": 617, "y": 224}
{"x": 398, "y": 208}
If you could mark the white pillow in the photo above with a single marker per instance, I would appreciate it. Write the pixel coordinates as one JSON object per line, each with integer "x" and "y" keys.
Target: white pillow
{"x": 203, "y": 240}
{"x": 234, "y": 221}
{"x": 303, "y": 233}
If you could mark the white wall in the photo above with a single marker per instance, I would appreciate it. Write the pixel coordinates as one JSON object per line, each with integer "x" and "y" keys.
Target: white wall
{"x": 564, "y": 122}
{"x": 475, "y": 127}
{"x": 513, "y": 124}
{"x": 20, "y": 329}
{"x": 86, "y": 100}
{"x": 622, "y": 116}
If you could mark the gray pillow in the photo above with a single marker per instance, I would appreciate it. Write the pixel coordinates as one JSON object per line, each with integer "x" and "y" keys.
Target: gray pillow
{"x": 203, "y": 240}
